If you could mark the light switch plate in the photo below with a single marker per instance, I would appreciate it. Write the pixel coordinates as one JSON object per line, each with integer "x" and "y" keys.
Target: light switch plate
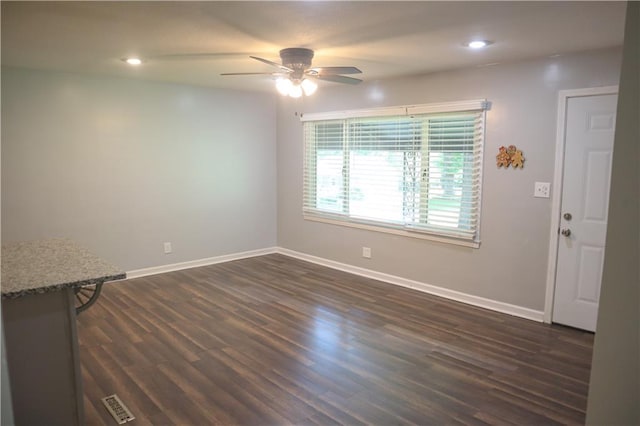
{"x": 542, "y": 189}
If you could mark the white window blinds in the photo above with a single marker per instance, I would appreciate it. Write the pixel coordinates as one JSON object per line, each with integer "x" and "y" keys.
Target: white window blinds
{"x": 411, "y": 168}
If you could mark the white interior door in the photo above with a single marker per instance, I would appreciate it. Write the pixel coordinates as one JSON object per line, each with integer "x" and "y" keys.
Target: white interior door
{"x": 589, "y": 127}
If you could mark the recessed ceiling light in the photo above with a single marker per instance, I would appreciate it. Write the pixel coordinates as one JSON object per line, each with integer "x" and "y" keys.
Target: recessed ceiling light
{"x": 133, "y": 61}
{"x": 478, "y": 44}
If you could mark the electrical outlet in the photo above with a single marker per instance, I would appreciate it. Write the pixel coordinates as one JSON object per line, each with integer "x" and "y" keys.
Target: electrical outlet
{"x": 541, "y": 189}
{"x": 366, "y": 252}
{"x": 167, "y": 248}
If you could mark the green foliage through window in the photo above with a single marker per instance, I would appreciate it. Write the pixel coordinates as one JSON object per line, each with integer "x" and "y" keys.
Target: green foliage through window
{"x": 418, "y": 172}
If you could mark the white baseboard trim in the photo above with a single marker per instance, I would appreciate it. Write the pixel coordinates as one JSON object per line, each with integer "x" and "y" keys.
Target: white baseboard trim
{"x": 494, "y": 305}
{"x": 137, "y": 273}
{"x": 469, "y": 299}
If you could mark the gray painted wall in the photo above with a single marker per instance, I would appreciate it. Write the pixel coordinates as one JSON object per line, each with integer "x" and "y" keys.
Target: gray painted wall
{"x": 511, "y": 264}
{"x": 122, "y": 166}
{"x": 614, "y": 391}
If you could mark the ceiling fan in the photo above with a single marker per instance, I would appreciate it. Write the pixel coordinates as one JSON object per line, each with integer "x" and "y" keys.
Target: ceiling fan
{"x": 295, "y": 75}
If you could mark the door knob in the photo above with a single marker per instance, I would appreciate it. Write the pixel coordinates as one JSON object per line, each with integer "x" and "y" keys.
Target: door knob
{"x": 566, "y": 232}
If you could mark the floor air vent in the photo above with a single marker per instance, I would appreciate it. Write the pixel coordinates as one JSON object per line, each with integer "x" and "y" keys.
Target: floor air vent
{"x": 118, "y": 410}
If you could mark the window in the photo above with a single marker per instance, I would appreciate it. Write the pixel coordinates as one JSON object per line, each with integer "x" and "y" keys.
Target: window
{"x": 414, "y": 169}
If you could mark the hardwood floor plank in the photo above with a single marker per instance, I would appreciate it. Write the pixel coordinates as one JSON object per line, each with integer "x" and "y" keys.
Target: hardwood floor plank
{"x": 279, "y": 399}
{"x": 112, "y": 379}
{"x": 167, "y": 396}
{"x": 543, "y": 406}
{"x": 214, "y": 365}
{"x": 210, "y": 395}
{"x": 273, "y": 340}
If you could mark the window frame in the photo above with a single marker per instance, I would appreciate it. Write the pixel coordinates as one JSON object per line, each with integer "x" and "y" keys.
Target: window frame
{"x": 475, "y": 106}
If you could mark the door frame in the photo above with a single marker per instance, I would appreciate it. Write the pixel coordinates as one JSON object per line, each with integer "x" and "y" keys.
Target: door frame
{"x": 556, "y": 193}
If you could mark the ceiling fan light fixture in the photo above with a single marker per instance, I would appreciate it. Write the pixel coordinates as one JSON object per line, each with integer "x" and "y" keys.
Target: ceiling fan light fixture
{"x": 309, "y": 87}
{"x": 295, "y": 91}
{"x": 287, "y": 87}
{"x": 283, "y": 86}
{"x": 296, "y": 78}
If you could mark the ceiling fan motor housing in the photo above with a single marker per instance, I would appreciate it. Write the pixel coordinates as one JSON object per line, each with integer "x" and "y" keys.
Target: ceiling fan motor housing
{"x": 298, "y": 59}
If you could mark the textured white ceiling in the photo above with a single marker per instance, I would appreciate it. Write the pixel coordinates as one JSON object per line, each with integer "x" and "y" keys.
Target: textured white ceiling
{"x": 193, "y": 42}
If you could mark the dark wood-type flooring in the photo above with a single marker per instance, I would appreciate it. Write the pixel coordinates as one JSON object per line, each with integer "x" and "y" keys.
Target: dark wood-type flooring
{"x": 274, "y": 340}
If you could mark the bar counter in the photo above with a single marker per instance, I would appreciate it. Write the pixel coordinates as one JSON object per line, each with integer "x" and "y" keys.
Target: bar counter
{"x": 39, "y": 281}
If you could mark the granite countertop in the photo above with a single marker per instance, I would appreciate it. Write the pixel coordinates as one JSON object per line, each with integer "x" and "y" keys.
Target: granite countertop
{"x": 32, "y": 267}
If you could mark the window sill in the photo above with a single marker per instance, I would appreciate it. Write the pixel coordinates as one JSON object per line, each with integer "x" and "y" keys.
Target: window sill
{"x": 394, "y": 231}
